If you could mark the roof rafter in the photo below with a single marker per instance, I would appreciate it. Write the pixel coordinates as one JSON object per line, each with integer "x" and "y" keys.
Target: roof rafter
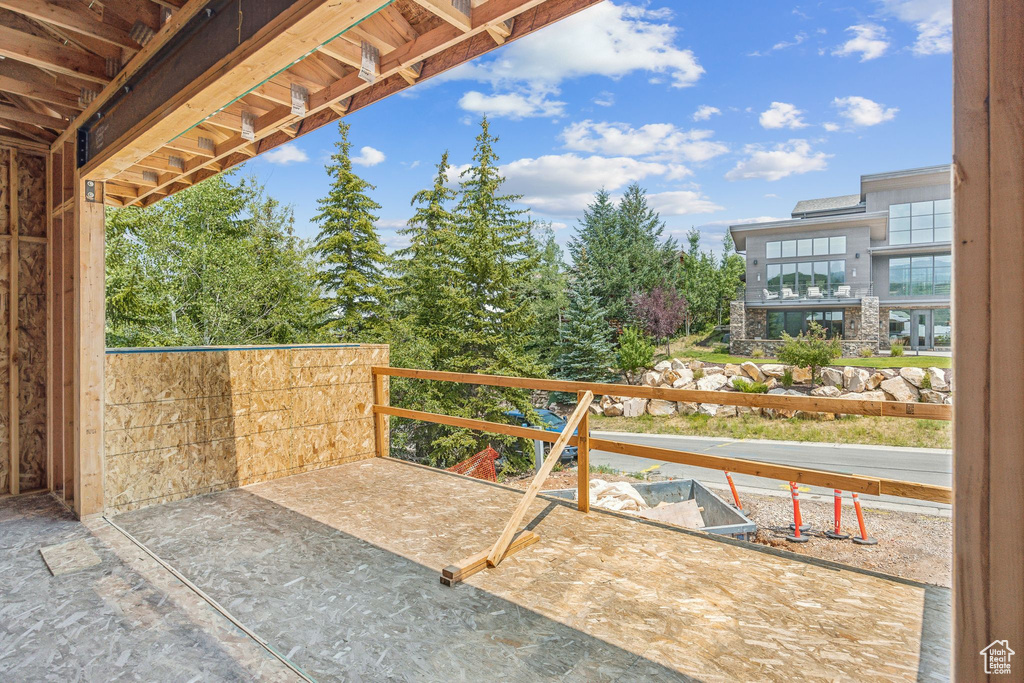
{"x": 71, "y": 15}
{"x": 48, "y": 54}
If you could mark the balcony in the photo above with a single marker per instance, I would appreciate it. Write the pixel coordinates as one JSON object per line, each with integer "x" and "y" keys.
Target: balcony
{"x": 803, "y": 296}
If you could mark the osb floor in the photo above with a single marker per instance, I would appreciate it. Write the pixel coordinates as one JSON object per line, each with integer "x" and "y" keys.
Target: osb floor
{"x": 338, "y": 570}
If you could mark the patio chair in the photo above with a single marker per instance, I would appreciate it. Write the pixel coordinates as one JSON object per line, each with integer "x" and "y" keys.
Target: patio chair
{"x": 768, "y": 296}
{"x": 788, "y": 293}
{"x": 843, "y": 291}
{"x": 814, "y": 293}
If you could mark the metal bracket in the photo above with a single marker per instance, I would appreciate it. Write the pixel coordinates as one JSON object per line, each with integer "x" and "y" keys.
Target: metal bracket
{"x": 370, "y": 65}
{"x": 91, "y": 195}
{"x": 299, "y": 97}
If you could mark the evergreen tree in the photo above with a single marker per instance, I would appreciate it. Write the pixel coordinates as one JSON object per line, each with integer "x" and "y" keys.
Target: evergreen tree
{"x": 730, "y": 271}
{"x": 586, "y": 353}
{"x": 549, "y": 296}
{"x": 700, "y": 285}
{"x": 353, "y": 261}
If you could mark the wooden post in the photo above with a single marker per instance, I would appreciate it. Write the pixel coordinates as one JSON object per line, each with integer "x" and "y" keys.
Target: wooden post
{"x": 380, "y": 421}
{"x": 12, "y": 328}
{"x": 583, "y": 458}
{"x": 88, "y": 322}
{"x": 988, "y": 321}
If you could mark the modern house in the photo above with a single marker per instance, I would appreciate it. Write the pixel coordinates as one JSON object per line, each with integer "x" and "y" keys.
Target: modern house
{"x": 871, "y": 267}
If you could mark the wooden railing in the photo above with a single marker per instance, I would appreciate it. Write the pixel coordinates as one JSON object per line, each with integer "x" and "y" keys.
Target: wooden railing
{"x": 584, "y": 442}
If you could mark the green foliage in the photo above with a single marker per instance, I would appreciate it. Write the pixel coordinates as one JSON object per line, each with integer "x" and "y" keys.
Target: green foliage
{"x": 896, "y": 347}
{"x": 866, "y": 352}
{"x": 787, "y": 378}
{"x": 751, "y": 387}
{"x": 810, "y": 349}
{"x": 549, "y": 297}
{"x": 216, "y": 264}
{"x": 724, "y": 348}
{"x": 926, "y": 381}
{"x": 635, "y": 353}
{"x": 698, "y": 374}
{"x": 585, "y": 348}
{"x": 353, "y": 263}
{"x": 470, "y": 275}
{"x": 757, "y": 352}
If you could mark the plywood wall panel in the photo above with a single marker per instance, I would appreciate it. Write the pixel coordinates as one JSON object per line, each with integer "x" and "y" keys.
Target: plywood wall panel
{"x": 218, "y": 418}
{"x": 31, "y": 195}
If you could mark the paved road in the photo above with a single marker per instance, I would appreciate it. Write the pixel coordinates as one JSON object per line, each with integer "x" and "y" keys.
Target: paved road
{"x": 922, "y": 465}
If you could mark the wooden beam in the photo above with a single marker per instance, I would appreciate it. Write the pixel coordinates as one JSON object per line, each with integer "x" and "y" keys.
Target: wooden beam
{"x": 469, "y": 423}
{"x": 72, "y": 15}
{"x": 735, "y": 398}
{"x": 38, "y": 92}
{"x": 445, "y": 9}
{"x": 500, "y": 547}
{"x": 25, "y": 116}
{"x": 380, "y": 420}
{"x": 583, "y": 458}
{"x": 467, "y": 566}
{"x": 13, "y": 376}
{"x": 48, "y": 54}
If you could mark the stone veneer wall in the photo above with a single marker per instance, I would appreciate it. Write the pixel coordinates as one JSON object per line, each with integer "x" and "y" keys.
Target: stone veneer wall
{"x": 743, "y": 347}
{"x": 179, "y": 423}
{"x": 745, "y": 324}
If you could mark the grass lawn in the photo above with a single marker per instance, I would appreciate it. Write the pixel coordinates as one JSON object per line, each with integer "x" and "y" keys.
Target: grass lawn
{"x": 885, "y": 431}
{"x": 709, "y": 355}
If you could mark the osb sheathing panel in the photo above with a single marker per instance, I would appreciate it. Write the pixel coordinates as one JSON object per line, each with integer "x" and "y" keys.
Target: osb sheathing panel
{"x": 182, "y": 423}
{"x": 32, "y": 365}
{"x": 31, "y": 195}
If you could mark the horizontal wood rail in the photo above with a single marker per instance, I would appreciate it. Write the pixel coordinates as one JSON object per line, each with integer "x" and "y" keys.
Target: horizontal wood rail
{"x": 803, "y": 475}
{"x": 813, "y": 404}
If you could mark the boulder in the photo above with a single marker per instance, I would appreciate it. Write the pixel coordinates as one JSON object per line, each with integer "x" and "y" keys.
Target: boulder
{"x": 873, "y": 381}
{"x": 595, "y": 409}
{"x": 772, "y": 383}
{"x": 678, "y": 365}
{"x": 772, "y": 369}
{"x": 684, "y": 376}
{"x": 686, "y": 408}
{"x": 949, "y": 399}
{"x": 900, "y": 389}
{"x": 711, "y": 382}
{"x": 613, "y": 410}
{"x": 713, "y": 370}
{"x": 932, "y": 396}
{"x": 831, "y": 377}
{"x": 938, "y": 377}
{"x": 752, "y": 371}
{"x": 801, "y": 375}
{"x": 726, "y": 411}
{"x": 855, "y": 379}
{"x": 663, "y": 366}
{"x": 913, "y": 375}
{"x": 731, "y": 370}
{"x": 661, "y": 408}
{"x": 696, "y": 365}
{"x": 826, "y": 391}
{"x": 708, "y": 409}
{"x": 634, "y": 407}
{"x": 747, "y": 410}
{"x": 684, "y": 383}
{"x": 777, "y": 391}
{"x": 668, "y": 377}
{"x": 651, "y": 378}
{"x": 872, "y": 396}
{"x": 886, "y": 373}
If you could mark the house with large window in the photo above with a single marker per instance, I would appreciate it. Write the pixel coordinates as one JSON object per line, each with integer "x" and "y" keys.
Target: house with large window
{"x": 870, "y": 268}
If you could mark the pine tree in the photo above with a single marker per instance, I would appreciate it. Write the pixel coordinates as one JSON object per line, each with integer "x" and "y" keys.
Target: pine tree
{"x": 353, "y": 261}
{"x": 585, "y": 349}
{"x": 549, "y": 296}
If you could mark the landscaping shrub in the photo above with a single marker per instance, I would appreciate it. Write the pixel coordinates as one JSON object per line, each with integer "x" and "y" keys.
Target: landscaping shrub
{"x": 810, "y": 349}
{"x": 757, "y": 352}
{"x": 722, "y": 348}
{"x": 751, "y": 387}
{"x": 698, "y": 374}
{"x": 896, "y": 347}
{"x": 787, "y": 378}
{"x": 866, "y": 352}
{"x": 635, "y": 353}
{"x": 926, "y": 381}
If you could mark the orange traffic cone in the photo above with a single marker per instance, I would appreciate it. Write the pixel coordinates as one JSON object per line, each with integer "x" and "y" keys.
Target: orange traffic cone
{"x": 837, "y": 532}
{"x": 864, "y": 539}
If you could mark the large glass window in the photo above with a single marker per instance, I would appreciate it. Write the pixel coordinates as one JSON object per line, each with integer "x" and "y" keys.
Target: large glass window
{"x": 804, "y": 276}
{"x": 789, "y": 276}
{"x": 774, "y": 277}
{"x": 821, "y": 275}
{"x": 826, "y": 275}
{"x": 836, "y": 274}
{"x": 920, "y": 222}
{"x": 817, "y": 246}
{"x": 942, "y": 329}
{"x": 920, "y": 275}
{"x": 788, "y": 248}
{"x": 837, "y": 245}
{"x": 795, "y": 322}
{"x": 803, "y": 248}
{"x": 773, "y": 250}
{"x": 899, "y": 326}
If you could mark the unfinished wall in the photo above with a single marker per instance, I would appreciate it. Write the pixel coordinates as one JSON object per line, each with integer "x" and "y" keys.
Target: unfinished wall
{"x": 23, "y": 321}
{"x": 180, "y": 423}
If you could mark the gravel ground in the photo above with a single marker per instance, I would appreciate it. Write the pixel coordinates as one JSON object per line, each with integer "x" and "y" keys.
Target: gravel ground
{"x": 910, "y": 545}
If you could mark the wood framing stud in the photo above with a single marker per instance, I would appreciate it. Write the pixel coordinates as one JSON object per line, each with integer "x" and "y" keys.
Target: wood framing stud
{"x": 466, "y": 567}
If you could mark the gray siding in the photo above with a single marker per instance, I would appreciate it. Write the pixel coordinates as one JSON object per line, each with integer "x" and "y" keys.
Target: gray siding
{"x": 880, "y": 201}
{"x": 857, "y": 240}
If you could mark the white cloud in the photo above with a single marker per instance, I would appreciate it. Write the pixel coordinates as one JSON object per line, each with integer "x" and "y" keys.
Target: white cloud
{"x": 368, "y": 156}
{"x": 286, "y": 154}
{"x": 830, "y": 126}
{"x": 860, "y": 111}
{"x": 392, "y": 223}
{"x": 512, "y": 105}
{"x": 782, "y": 115}
{"x": 869, "y": 41}
{"x": 771, "y": 195}
{"x": 681, "y": 203}
{"x": 604, "y": 99}
{"x": 705, "y": 112}
{"x": 781, "y": 45}
{"x": 558, "y": 225}
{"x": 657, "y": 141}
{"x": 932, "y": 19}
{"x": 779, "y": 161}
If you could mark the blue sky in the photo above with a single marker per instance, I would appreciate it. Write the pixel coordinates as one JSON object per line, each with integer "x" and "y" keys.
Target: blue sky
{"x": 725, "y": 112}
